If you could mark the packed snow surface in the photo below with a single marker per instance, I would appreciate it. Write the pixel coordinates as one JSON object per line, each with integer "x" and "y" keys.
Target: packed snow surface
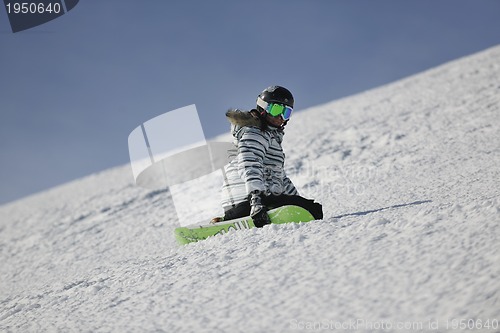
{"x": 409, "y": 176}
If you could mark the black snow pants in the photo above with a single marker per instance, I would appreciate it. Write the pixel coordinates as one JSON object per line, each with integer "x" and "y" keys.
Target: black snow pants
{"x": 273, "y": 201}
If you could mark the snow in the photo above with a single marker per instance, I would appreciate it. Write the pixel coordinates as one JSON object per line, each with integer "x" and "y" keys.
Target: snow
{"x": 409, "y": 177}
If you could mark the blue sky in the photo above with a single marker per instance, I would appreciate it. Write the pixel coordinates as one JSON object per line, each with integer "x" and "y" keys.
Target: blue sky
{"x": 73, "y": 89}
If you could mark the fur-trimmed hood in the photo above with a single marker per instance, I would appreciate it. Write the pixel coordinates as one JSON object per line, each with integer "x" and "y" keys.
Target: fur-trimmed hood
{"x": 243, "y": 118}
{"x": 240, "y": 119}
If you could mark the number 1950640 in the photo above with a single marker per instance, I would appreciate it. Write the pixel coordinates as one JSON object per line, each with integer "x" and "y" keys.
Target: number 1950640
{"x": 33, "y": 8}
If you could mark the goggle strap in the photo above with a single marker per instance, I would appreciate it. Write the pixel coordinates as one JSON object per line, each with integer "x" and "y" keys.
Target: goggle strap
{"x": 263, "y": 104}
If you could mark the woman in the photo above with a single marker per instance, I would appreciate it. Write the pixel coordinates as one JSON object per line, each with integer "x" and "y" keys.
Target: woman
{"x": 255, "y": 180}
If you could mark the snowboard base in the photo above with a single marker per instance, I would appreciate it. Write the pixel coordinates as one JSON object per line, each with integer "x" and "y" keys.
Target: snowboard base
{"x": 280, "y": 215}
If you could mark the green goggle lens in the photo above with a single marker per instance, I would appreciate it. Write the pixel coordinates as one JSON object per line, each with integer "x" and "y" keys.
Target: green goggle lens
{"x": 279, "y": 109}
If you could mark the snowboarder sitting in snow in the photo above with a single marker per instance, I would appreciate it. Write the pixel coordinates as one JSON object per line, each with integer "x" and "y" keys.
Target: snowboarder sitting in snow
{"x": 255, "y": 180}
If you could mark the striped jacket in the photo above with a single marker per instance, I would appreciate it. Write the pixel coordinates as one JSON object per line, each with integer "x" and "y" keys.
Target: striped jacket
{"x": 258, "y": 163}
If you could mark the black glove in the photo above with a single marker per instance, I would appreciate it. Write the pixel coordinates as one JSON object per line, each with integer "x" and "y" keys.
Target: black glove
{"x": 258, "y": 212}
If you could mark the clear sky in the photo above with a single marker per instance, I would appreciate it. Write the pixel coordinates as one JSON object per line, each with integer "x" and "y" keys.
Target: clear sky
{"x": 72, "y": 90}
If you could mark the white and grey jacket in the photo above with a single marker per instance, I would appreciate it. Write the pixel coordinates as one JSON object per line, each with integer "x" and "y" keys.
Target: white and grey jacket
{"x": 259, "y": 162}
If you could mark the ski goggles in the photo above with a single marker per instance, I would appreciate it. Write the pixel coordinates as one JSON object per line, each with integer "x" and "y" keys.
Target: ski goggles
{"x": 276, "y": 109}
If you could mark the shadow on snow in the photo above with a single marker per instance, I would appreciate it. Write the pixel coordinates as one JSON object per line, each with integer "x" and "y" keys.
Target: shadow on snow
{"x": 415, "y": 203}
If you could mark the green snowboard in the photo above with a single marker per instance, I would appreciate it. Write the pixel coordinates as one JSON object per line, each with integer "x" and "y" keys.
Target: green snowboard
{"x": 284, "y": 214}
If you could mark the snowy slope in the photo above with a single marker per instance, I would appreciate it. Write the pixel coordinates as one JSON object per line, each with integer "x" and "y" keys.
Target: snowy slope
{"x": 410, "y": 181}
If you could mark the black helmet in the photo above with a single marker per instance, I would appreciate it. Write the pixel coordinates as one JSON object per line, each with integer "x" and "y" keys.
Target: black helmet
{"x": 277, "y": 94}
